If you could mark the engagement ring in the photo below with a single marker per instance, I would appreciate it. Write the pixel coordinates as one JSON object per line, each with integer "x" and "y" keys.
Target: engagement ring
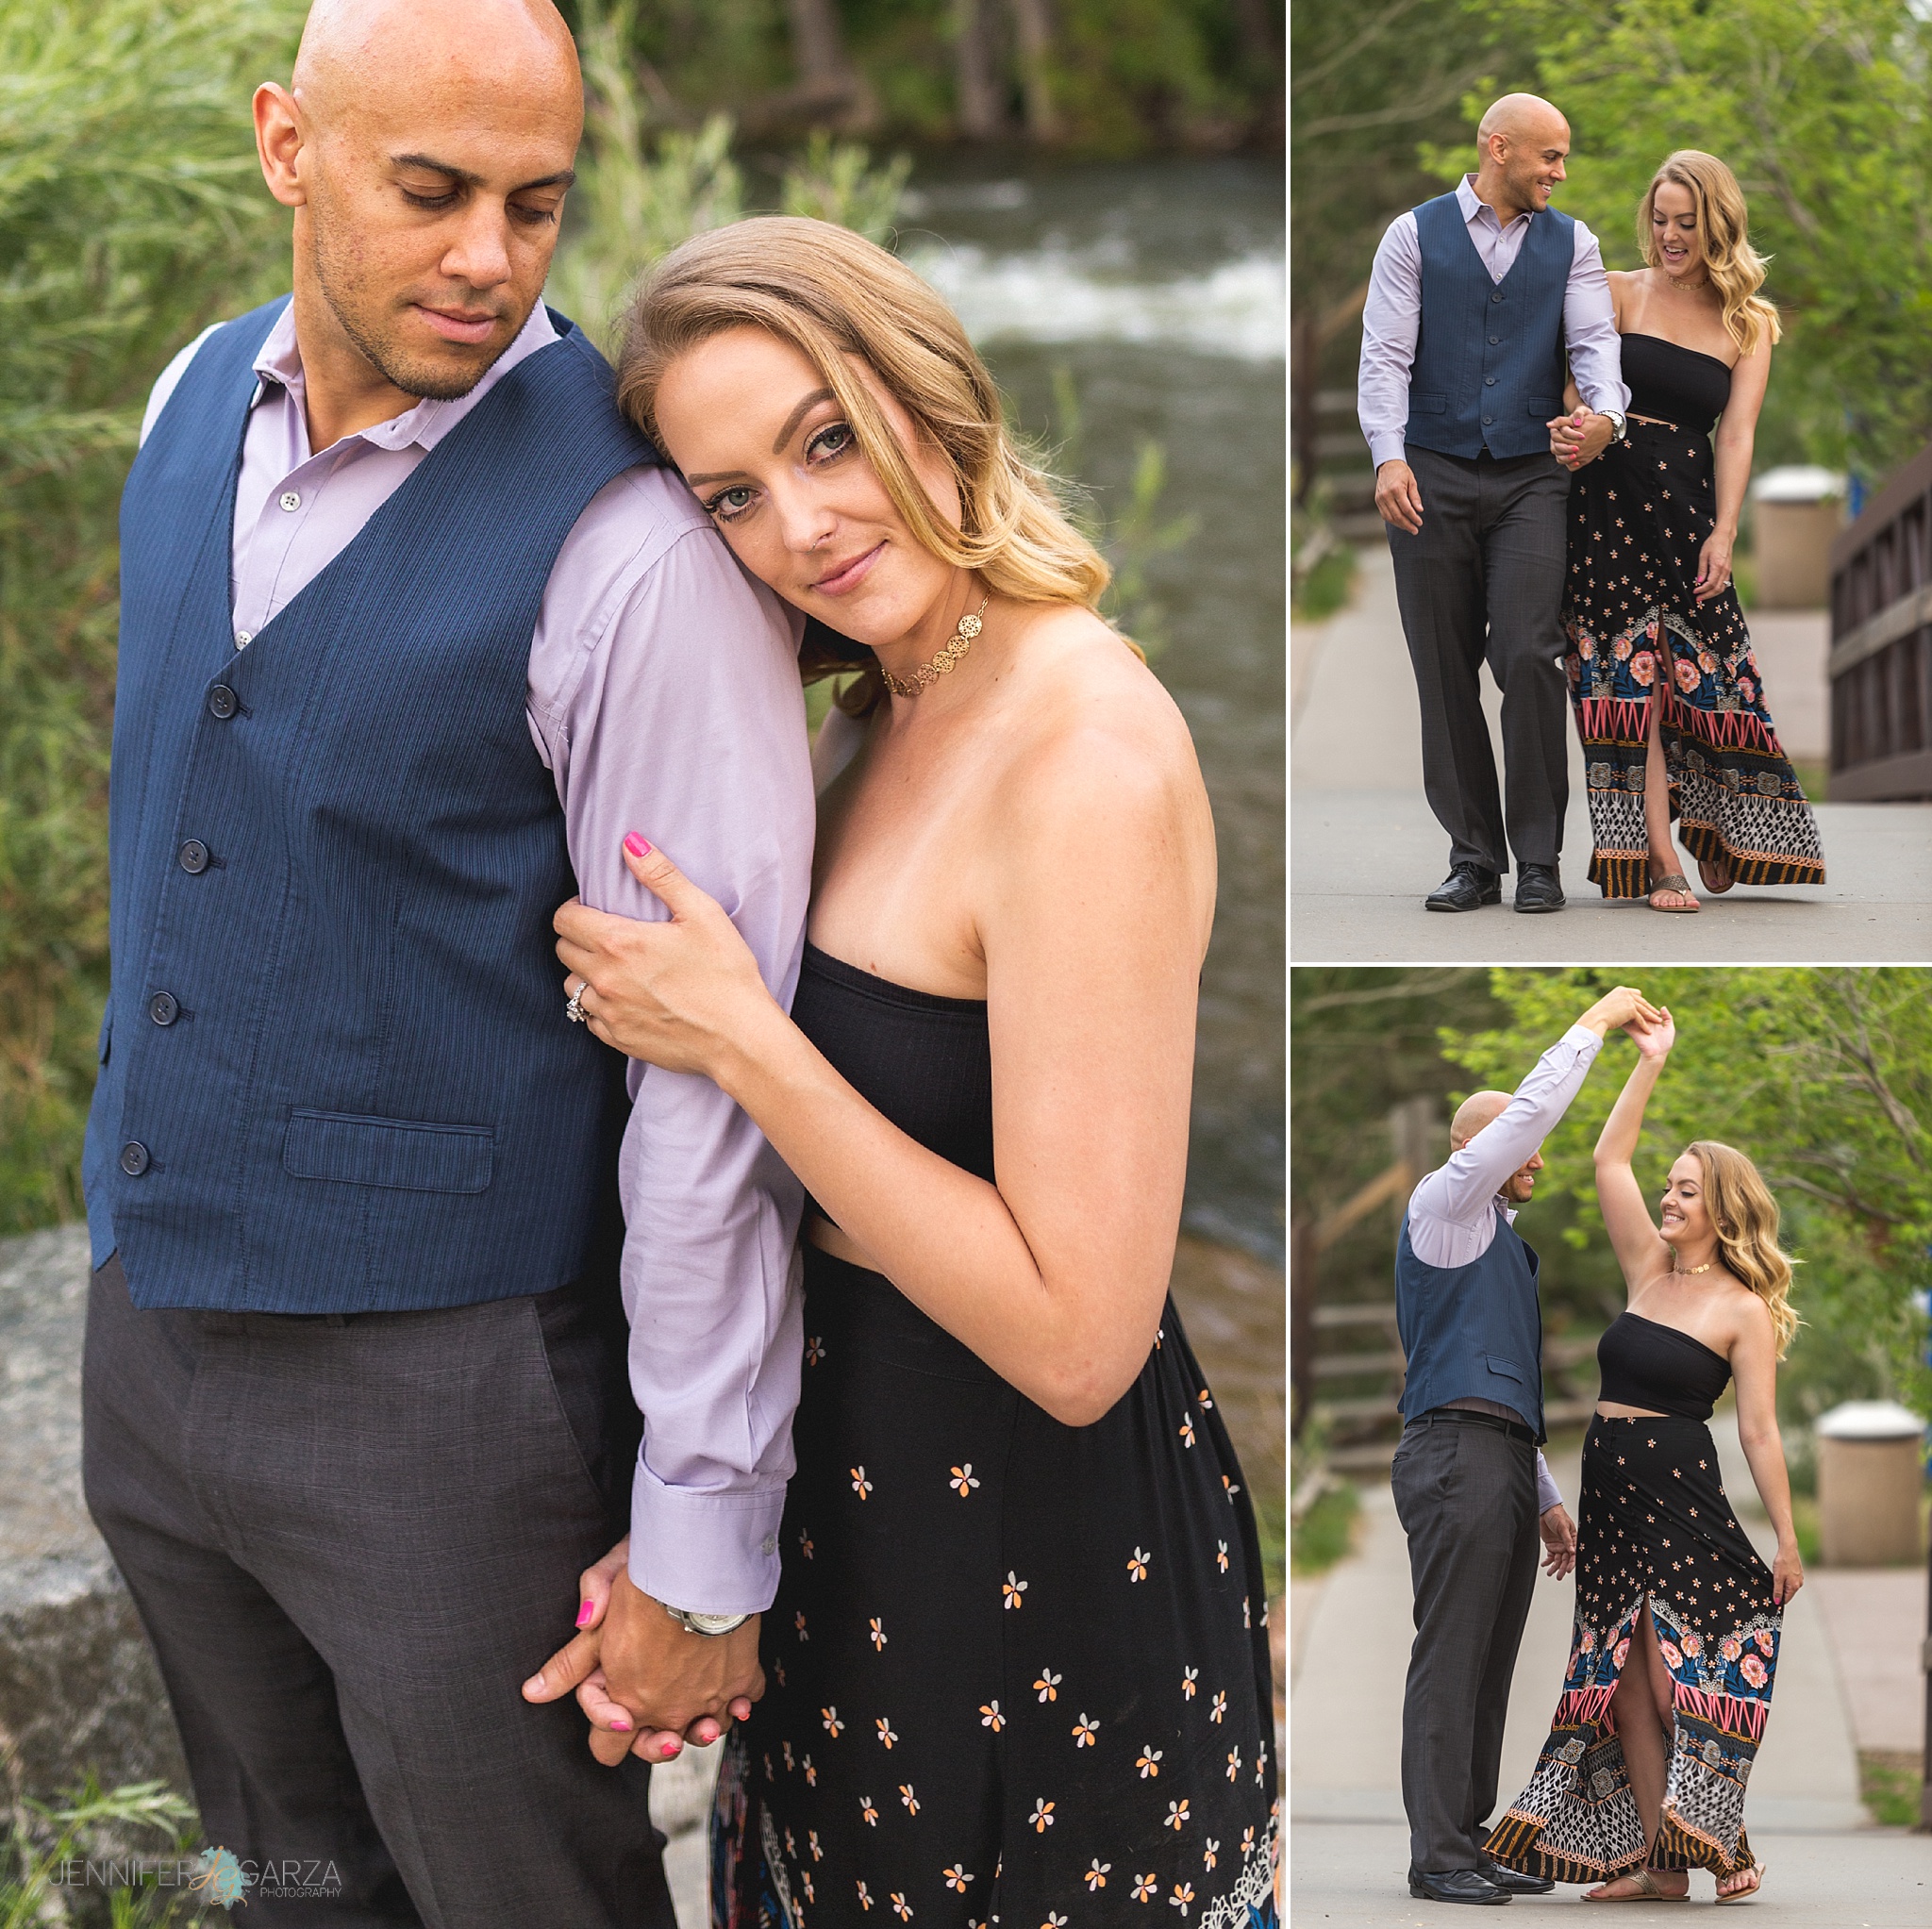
{"x": 574, "y": 1008}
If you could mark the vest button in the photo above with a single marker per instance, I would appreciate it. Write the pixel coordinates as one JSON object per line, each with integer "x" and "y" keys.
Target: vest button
{"x": 1493, "y": 339}
{"x": 1488, "y": 420}
{"x": 134, "y": 1158}
{"x": 222, "y": 702}
{"x": 1489, "y": 381}
{"x": 1497, "y": 296}
{"x": 164, "y": 1007}
{"x": 194, "y": 857}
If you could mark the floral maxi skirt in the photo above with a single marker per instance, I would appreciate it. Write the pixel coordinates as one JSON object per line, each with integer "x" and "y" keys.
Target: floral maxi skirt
{"x": 1638, "y": 517}
{"x": 1656, "y": 1527}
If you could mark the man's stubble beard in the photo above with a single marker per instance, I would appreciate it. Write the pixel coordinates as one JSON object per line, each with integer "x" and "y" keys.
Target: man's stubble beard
{"x": 428, "y": 383}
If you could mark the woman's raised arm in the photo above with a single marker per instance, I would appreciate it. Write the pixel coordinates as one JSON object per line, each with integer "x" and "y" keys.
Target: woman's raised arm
{"x": 1634, "y": 1237}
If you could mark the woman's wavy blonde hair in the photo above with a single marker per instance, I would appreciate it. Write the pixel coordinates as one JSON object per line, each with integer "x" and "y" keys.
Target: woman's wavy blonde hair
{"x": 837, "y": 298}
{"x": 1735, "y": 267}
{"x": 1745, "y": 1217}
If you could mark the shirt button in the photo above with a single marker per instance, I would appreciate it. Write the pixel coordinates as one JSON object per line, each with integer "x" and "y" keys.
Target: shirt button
{"x": 292, "y": 500}
{"x": 134, "y": 1158}
{"x": 769, "y": 1544}
{"x": 244, "y": 638}
{"x": 164, "y": 1007}
{"x": 193, "y": 855}
{"x": 222, "y": 702}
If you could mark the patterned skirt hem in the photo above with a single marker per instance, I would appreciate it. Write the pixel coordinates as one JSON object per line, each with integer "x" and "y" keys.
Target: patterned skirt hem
{"x": 1514, "y": 1842}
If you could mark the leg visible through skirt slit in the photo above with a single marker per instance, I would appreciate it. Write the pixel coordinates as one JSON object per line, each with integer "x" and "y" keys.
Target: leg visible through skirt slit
{"x": 1657, "y": 1529}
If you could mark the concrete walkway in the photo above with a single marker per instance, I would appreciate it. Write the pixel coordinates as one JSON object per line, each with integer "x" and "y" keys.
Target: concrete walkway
{"x": 1349, "y": 1842}
{"x": 1365, "y": 849}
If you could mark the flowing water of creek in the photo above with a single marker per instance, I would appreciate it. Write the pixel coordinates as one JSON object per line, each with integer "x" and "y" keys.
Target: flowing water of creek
{"x": 1152, "y": 296}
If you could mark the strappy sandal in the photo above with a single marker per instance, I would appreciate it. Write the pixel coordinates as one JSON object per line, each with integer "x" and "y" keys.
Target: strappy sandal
{"x": 1646, "y": 1892}
{"x": 1703, "y": 878}
{"x": 1677, "y": 882}
{"x": 1745, "y": 1895}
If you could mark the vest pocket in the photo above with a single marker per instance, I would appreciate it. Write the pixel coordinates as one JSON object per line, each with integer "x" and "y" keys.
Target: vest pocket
{"x": 1507, "y": 1368}
{"x": 1544, "y": 407}
{"x": 400, "y": 1154}
{"x": 1428, "y": 404}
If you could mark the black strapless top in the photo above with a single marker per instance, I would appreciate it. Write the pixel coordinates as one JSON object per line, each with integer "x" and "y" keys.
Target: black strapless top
{"x": 1645, "y": 1364}
{"x": 923, "y": 1060}
{"x": 1680, "y": 385}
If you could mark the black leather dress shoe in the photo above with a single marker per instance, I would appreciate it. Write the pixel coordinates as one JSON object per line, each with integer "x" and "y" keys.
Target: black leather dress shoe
{"x": 1537, "y": 888}
{"x": 1456, "y": 1886}
{"x": 1466, "y": 887}
{"x": 1516, "y": 1881}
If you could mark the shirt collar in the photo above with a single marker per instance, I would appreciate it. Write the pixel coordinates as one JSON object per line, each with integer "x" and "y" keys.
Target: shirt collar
{"x": 279, "y": 361}
{"x": 1475, "y": 208}
{"x": 1508, "y": 1211}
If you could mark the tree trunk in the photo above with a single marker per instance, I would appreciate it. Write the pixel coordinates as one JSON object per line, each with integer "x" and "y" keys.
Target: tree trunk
{"x": 975, "y": 70}
{"x": 1033, "y": 27}
{"x": 826, "y": 77}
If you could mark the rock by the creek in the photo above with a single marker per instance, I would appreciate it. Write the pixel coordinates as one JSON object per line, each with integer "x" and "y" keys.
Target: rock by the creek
{"x": 78, "y": 1687}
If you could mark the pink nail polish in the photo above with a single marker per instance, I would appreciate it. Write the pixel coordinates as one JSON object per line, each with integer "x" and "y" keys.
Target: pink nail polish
{"x": 671, "y": 1748}
{"x": 621, "y": 1726}
{"x": 636, "y": 845}
{"x": 585, "y": 1612}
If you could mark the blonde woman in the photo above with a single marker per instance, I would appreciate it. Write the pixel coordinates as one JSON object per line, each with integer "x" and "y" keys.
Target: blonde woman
{"x": 1018, "y": 1661}
{"x": 1669, "y": 701}
{"x": 1677, "y": 1620}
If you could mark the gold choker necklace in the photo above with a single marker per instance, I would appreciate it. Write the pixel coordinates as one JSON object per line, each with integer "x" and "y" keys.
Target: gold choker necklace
{"x": 1691, "y": 1272}
{"x": 970, "y": 626}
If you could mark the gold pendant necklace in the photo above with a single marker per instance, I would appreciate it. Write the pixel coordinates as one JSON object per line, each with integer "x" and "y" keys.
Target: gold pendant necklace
{"x": 1691, "y": 1272}
{"x": 970, "y": 626}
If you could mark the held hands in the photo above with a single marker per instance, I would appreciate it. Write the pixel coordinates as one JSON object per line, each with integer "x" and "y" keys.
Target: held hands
{"x": 1623, "y": 1010}
{"x": 1579, "y": 438}
{"x": 1398, "y": 500}
{"x": 676, "y": 994}
{"x": 1657, "y": 1041}
{"x": 646, "y": 1684}
{"x": 1558, "y": 1532}
{"x": 1713, "y": 567}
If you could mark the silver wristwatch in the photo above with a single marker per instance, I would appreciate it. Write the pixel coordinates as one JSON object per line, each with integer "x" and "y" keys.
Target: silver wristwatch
{"x": 1620, "y": 428}
{"x": 711, "y": 1625}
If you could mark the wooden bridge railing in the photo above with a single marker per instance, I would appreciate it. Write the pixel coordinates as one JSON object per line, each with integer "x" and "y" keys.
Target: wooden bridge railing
{"x": 1881, "y": 645}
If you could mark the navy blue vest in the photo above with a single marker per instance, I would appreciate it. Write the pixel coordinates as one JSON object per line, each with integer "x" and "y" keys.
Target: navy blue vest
{"x": 1489, "y": 366}
{"x": 336, "y": 1074}
{"x": 1475, "y": 1331}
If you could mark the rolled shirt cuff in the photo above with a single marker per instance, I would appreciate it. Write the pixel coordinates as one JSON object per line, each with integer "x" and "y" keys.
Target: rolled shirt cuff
{"x": 1387, "y": 445}
{"x": 705, "y": 1552}
{"x": 1548, "y": 1494}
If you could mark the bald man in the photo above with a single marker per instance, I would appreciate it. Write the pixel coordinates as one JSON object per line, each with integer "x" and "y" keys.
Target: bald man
{"x": 1471, "y": 1487}
{"x": 415, "y": 628}
{"x": 1474, "y": 302}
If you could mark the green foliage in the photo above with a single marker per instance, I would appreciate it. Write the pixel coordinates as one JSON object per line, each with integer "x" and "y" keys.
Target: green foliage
{"x": 1126, "y": 77}
{"x": 131, "y": 214}
{"x": 1890, "y": 1786}
{"x": 1136, "y": 535}
{"x": 1819, "y": 107}
{"x": 104, "y": 1824}
{"x": 835, "y": 180}
{"x": 1326, "y": 1531}
{"x": 642, "y": 188}
{"x": 1825, "y": 1079}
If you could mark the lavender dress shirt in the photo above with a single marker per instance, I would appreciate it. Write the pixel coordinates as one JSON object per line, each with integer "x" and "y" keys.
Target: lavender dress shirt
{"x": 1452, "y": 1214}
{"x": 1392, "y": 317}
{"x": 663, "y": 698}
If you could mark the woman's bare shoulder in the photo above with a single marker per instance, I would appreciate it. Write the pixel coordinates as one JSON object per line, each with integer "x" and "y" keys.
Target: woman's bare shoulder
{"x": 1096, "y": 716}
